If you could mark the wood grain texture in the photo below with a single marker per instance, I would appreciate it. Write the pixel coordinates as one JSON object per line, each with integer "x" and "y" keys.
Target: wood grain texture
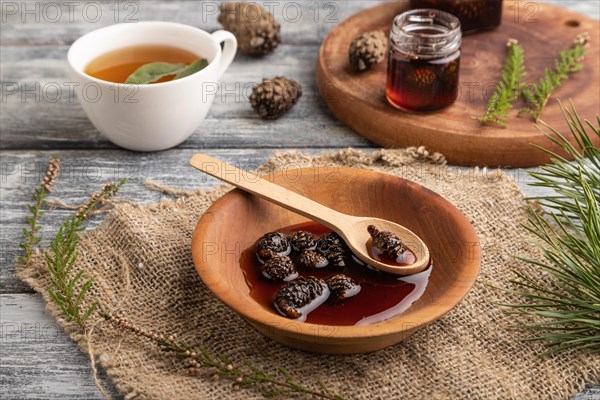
{"x": 38, "y": 361}
{"x": 32, "y": 131}
{"x": 238, "y": 219}
{"x": 359, "y": 101}
{"x": 34, "y": 76}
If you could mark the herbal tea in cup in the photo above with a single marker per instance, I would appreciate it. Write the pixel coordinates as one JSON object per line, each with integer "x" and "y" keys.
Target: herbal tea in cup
{"x": 147, "y": 86}
{"x": 145, "y": 64}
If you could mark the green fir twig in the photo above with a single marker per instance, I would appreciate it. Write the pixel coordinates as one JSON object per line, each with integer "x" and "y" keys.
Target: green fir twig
{"x": 567, "y": 314}
{"x": 507, "y": 90}
{"x": 278, "y": 384}
{"x": 569, "y": 61}
{"x": 39, "y": 198}
{"x": 63, "y": 255}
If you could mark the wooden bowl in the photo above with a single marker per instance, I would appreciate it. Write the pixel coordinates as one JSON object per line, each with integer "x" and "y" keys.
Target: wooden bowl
{"x": 234, "y": 222}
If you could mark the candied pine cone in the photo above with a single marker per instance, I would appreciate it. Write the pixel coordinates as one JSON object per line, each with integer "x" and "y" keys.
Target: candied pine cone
{"x": 271, "y": 244}
{"x": 342, "y": 286}
{"x": 307, "y": 293}
{"x": 303, "y": 240}
{"x": 333, "y": 247}
{"x": 422, "y": 77}
{"x": 255, "y": 28}
{"x": 279, "y": 269}
{"x": 274, "y": 97}
{"x": 367, "y": 50}
{"x": 450, "y": 75}
{"x": 312, "y": 259}
{"x": 388, "y": 243}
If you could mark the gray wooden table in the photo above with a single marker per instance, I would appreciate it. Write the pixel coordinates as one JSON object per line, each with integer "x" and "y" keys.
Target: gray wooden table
{"x": 40, "y": 118}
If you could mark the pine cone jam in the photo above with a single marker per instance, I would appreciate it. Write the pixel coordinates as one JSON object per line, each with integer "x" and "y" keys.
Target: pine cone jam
{"x": 424, "y": 60}
{"x": 305, "y": 285}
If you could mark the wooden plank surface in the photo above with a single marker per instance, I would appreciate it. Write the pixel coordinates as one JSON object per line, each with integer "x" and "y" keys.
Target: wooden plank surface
{"x": 37, "y": 360}
{"x": 27, "y": 122}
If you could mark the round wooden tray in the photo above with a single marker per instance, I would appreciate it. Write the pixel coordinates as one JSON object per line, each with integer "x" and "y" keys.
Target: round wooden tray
{"x": 358, "y": 100}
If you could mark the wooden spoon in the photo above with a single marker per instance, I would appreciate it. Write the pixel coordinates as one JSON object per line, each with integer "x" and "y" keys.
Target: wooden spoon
{"x": 351, "y": 228}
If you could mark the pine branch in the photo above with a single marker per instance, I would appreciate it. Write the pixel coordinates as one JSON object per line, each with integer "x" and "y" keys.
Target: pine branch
{"x": 507, "y": 90}
{"x": 39, "y": 197}
{"x": 280, "y": 383}
{"x": 569, "y": 61}
{"x": 63, "y": 255}
{"x": 567, "y": 314}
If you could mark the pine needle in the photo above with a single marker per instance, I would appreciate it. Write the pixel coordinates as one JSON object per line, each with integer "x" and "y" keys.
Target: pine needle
{"x": 569, "y": 61}
{"x": 507, "y": 90}
{"x": 567, "y": 314}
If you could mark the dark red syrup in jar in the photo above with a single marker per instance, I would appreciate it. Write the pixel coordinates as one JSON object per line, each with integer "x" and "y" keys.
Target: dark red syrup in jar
{"x": 422, "y": 85}
{"x": 382, "y": 295}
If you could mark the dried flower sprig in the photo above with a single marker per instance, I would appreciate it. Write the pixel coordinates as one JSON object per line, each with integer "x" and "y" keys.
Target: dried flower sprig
{"x": 508, "y": 89}
{"x": 569, "y": 61}
{"x": 107, "y": 191}
{"x": 63, "y": 255}
{"x": 198, "y": 358}
{"x": 567, "y": 314}
{"x": 38, "y": 197}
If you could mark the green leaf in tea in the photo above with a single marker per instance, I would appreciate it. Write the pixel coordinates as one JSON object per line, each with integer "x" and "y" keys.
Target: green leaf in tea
{"x": 194, "y": 67}
{"x": 152, "y": 72}
{"x": 149, "y": 73}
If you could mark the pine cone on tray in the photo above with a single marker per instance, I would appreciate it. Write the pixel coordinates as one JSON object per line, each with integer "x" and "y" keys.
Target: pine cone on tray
{"x": 367, "y": 50}
{"x": 255, "y": 28}
{"x": 273, "y": 97}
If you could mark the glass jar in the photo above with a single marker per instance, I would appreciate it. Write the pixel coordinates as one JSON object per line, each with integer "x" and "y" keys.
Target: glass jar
{"x": 474, "y": 15}
{"x": 424, "y": 60}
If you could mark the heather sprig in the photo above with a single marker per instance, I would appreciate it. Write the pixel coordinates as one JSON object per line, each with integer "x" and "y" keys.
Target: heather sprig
{"x": 508, "y": 89}
{"x": 568, "y": 62}
{"x": 61, "y": 259}
{"x": 39, "y": 197}
{"x": 280, "y": 383}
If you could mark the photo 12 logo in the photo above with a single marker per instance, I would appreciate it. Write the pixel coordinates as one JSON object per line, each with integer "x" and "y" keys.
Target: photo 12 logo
{"x": 68, "y": 11}
{"x": 66, "y": 92}
{"x": 287, "y": 11}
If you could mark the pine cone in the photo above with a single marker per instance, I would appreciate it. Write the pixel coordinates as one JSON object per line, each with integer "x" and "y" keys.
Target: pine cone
{"x": 273, "y": 97}
{"x": 312, "y": 259}
{"x": 422, "y": 77}
{"x": 367, "y": 50}
{"x": 279, "y": 269}
{"x": 303, "y": 240}
{"x": 342, "y": 286}
{"x": 255, "y": 28}
{"x": 297, "y": 298}
{"x": 387, "y": 242}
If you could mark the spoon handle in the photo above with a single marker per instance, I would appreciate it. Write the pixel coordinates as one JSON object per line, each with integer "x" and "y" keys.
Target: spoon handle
{"x": 252, "y": 183}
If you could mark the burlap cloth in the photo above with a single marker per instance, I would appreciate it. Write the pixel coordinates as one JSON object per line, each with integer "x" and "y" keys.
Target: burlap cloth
{"x": 141, "y": 261}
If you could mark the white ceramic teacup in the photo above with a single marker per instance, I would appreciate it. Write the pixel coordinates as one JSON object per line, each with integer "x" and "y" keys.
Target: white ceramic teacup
{"x": 155, "y": 116}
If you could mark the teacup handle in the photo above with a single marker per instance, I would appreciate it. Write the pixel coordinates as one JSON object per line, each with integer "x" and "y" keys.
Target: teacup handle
{"x": 229, "y": 49}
